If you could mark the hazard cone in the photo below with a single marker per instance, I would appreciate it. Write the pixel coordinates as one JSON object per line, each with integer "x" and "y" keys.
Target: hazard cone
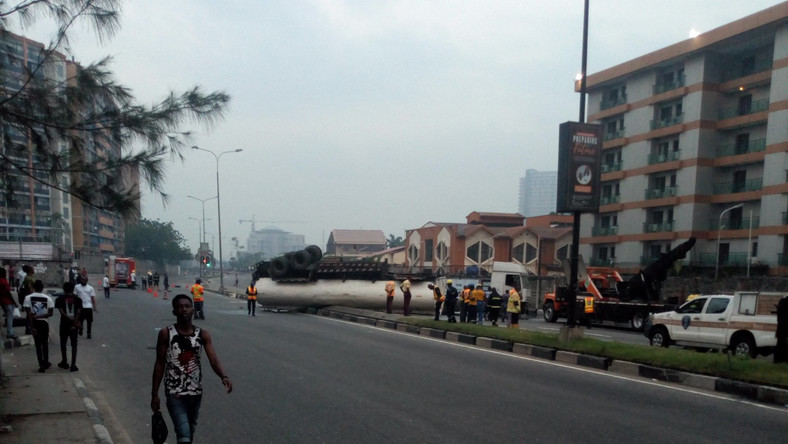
{"x": 155, "y": 294}
{"x": 150, "y": 290}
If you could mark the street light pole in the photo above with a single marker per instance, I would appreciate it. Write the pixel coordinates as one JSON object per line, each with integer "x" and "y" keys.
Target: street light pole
{"x": 719, "y": 229}
{"x": 219, "y": 208}
{"x": 203, "y": 214}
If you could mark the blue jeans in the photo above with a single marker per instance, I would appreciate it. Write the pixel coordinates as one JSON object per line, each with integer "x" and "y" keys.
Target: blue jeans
{"x": 479, "y": 312}
{"x": 184, "y": 411}
{"x": 9, "y": 319}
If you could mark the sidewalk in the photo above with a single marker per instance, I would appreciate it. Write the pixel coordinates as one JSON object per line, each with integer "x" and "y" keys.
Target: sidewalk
{"x": 44, "y": 407}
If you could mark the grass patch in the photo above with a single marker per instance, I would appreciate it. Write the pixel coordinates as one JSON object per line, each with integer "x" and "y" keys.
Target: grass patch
{"x": 711, "y": 364}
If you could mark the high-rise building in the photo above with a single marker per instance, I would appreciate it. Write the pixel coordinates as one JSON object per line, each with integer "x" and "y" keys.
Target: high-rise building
{"x": 272, "y": 242}
{"x": 696, "y": 144}
{"x": 538, "y": 193}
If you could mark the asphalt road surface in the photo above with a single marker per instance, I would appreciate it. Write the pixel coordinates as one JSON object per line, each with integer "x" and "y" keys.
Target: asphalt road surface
{"x": 304, "y": 378}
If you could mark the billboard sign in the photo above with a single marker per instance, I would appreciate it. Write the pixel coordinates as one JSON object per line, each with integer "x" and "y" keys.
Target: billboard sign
{"x": 579, "y": 167}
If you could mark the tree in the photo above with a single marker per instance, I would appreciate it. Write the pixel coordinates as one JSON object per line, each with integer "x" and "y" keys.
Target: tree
{"x": 89, "y": 107}
{"x": 155, "y": 240}
{"x": 394, "y": 241}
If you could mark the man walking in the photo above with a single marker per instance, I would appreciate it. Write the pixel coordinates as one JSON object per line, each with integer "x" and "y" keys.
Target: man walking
{"x": 251, "y": 299}
{"x": 105, "y": 286}
{"x": 39, "y": 307}
{"x": 178, "y": 349}
{"x": 88, "y": 295}
{"x": 197, "y": 291}
{"x": 70, "y": 307}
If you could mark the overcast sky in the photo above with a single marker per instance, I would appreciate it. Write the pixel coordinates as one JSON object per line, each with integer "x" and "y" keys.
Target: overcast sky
{"x": 359, "y": 114}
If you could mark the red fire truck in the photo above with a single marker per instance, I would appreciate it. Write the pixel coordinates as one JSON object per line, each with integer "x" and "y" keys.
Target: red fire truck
{"x": 119, "y": 270}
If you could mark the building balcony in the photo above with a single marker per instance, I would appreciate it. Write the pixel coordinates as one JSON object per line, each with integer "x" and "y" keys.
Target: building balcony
{"x": 662, "y": 158}
{"x": 738, "y": 187}
{"x": 664, "y": 123}
{"x": 610, "y": 167}
{"x": 661, "y": 87}
{"x": 602, "y": 261}
{"x": 610, "y": 103}
{"x": 735, "y": 224}
{"x": 613, "y": 135}
{"x": 658, "y": 227}
{"x": 740, "y": 71}
{"x": 733, "y": 149}
{"x": 604, "y": 231}
{"x": 659, "y": 193}
{"x": 607, "y": 200}
{"x": 733, "y": 259}
{"x": 736, "y": 111}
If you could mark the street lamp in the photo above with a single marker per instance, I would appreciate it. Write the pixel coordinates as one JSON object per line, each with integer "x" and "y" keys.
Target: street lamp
{"x": 719, "y": 228}
{"x": 203, "y": 214}
{"x": 219, "y": 207}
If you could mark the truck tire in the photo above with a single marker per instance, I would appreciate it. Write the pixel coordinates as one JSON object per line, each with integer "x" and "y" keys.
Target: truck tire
{"x": 548, "y": 311}
{"x": 300, "y": 260}
{"x": 659, "y": 337}
{"x": 743, "y": 346}
{"x": 637, "y": 321}
{"x": 278, "y": 267}
{"x": 315, "y": 251}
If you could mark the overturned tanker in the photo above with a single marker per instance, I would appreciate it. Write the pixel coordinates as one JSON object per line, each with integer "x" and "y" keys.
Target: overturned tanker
{"x": 305, "y": 278}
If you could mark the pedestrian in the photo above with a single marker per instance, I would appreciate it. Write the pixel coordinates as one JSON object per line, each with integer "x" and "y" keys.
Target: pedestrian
{"x": 479, "y": 296}
{"x": 471, "y": 304}
{"x": 236, "y": 279}
{"x": 464, "y": 299}
{"x": 389, "y": 296}
{"x": 494, "y": 301}
{"x": 251, "y": 299}
{"x": 451, "y": 301}
{"x": 88, "y": 295}
{"x": 438, "y": 299}
{"x": 12, "y": 280}
{"x": 20, "y": 277}
{"x": 133, "y": 279}
{"x": 8, "y": 303}
{"x": 178, "y": 350}
{"x": 70, "y": 307}
{"x": 198, "y": 291}
{"x": 405, "y": 287}
{"x": 504, "y": 305}
{"x": 25, "y": 288}
{"x": 144, "y": 282}
{"x": 156, "y": 278}
{"x": 105, "y": 286}
{"x": 166, "y": 281}
{"x": 513, "y": 308}
{"x": 39, "y": 307}
{"x": 150, "y": 280}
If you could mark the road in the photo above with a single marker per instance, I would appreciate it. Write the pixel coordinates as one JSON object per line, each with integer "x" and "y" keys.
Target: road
{"x": 303, "y": 378}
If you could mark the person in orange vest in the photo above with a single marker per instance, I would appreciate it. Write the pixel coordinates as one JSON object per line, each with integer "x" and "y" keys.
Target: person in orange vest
{"x": 479, "y": 296}
{"x": 513, "y": 308}
{"x": 405, "y": 287}
{"x": 251, "y": 299}
{"x": 465, "y": 299}
{"x": 389, "y": 295}
{"x": 438, "y": 298}
{"x": 197, "y": 291}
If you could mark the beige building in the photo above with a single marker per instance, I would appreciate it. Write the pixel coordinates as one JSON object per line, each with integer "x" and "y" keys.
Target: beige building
{"x": 355, "y": 243}
{"x": 696, "y": 144}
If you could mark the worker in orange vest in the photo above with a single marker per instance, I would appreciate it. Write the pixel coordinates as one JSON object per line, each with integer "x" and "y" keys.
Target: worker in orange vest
{"x": 251, "y": 299}
{"x": 389, "y": 295}
{"x": 197, "y": 291}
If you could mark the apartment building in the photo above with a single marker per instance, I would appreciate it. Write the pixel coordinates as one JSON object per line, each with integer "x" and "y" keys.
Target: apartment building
{"x": 696, "y": 144}
{"x": 538, "y": 191}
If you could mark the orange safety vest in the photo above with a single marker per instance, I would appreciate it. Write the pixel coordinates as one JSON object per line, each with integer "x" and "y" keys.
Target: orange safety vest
{"x": 251, "y": 294}
{"x": 390, "y": 289}
{"x": 589, "y": 306}
{"x": 197, "y": 291}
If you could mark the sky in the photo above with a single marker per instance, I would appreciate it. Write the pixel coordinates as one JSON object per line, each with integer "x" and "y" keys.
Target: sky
{"x": 375, "y": 115}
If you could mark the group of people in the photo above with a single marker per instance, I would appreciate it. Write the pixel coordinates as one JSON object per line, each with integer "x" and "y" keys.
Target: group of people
{"x": 475, "y": 303}
{"x": 151, "y": 280}
{"x": 406, "y": 296}
{"x": 76, "y": 305}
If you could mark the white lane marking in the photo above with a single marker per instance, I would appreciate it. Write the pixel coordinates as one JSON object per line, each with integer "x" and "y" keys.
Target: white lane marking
{"x": 639, "y": 380}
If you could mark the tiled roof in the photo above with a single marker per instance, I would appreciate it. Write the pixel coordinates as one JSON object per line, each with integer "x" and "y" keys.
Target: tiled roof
{"x": 367, "y": 237}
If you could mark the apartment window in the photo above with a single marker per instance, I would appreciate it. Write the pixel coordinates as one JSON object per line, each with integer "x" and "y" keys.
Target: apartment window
{"x": 739, "y": 181}
{"x": 609, "y": 221}
{"x": 742, "y": 143}
{"x": 745, "y": 104}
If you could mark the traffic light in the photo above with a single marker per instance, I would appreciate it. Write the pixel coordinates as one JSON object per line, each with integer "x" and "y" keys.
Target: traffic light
{"x": 205, "y": 259}
{"x": 208, "y": 263}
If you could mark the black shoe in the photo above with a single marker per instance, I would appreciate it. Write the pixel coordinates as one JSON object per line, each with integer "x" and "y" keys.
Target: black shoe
{"x": 41, "y": 370}
{"x": 63, "y": 365}
{"x": 48, "y": 365}
{"x": 80, "y": 332}
{"x": 74, "y": 368}
{"x": 89, "y": 336}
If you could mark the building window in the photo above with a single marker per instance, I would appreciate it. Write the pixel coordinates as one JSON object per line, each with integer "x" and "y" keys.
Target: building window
{"x": 413, "y": 254}
{"x": 530, "y": 253}
{"x": 428, "y": 250}
{"x": 518, "y": 253}
{"x": 479, "y": 252}
{"x": 442, "y": 251}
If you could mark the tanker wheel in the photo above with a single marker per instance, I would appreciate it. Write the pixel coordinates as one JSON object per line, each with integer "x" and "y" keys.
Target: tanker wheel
{"x": 548, "y": 311}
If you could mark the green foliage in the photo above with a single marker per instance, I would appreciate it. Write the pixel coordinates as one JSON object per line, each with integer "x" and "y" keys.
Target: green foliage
{"x": 394, "y": 241}
{"x": 155, "y": 240}
{"x": 64, "y": 119}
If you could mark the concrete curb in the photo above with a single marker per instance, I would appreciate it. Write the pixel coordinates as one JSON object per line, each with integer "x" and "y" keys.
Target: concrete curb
{"x": 760, "y": 393}
{"x": 101, "y": 432}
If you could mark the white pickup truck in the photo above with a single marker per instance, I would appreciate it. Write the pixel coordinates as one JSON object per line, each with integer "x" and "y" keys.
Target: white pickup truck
{"x": 744, "y": 323}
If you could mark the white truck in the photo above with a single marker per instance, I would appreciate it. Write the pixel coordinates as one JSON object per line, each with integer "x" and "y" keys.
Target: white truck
{"x": 744, "y": 323}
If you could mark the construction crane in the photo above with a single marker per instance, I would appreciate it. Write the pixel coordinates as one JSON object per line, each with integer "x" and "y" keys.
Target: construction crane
{"x": 253, "y": 221}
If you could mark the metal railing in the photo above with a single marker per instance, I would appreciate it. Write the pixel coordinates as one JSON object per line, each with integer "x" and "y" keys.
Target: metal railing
{"x": 741, "y": 71}
{"x": 736, "y": 111}
{"x": 604, "y": 231}
{"x": 661, "y": 87}
{"x": 738, "y": 187}
{"x": 735, "y": 224}
{"x": 670, "y": 121}
{"x": 613, "y": 135}
{"x": 609, "y": 199}
{"x": 659, "y": 193}
{"x": 736, "y": 259}
{"x": 733, "y": 149}
{"x": 610, "y": 103}
{"x": 658, "y": 227}
{"x": 662, "y": 158}
{"x": 610, "y": 167}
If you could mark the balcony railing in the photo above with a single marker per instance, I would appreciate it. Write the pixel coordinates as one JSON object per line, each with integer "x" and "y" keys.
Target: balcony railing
{"x": 662, "y": 158}
{"x": 738, "y": 187}
{"x": 740, "y": 71}
{"x": 735, "y": 224}
{"x": 733, "y": 259}
{"x": 658, "y": 227}
{"x": 733, "y": 149}
{"x": 609, "y": 103}
{"x": 735, "y": 111}
{"x": 604, "y": 231}
{"x": 782, "y": 259}
{"x": 610, "y": 167}
{"x": 613, "y": 135}
{"x": 785, "y": 218}
{"x": 667, "y": 86}
{"x": 659, "y": 193}
{"x": 607, "y": 200}
{"x": 602, "y": 261}
{"x": 670, "y": 121}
